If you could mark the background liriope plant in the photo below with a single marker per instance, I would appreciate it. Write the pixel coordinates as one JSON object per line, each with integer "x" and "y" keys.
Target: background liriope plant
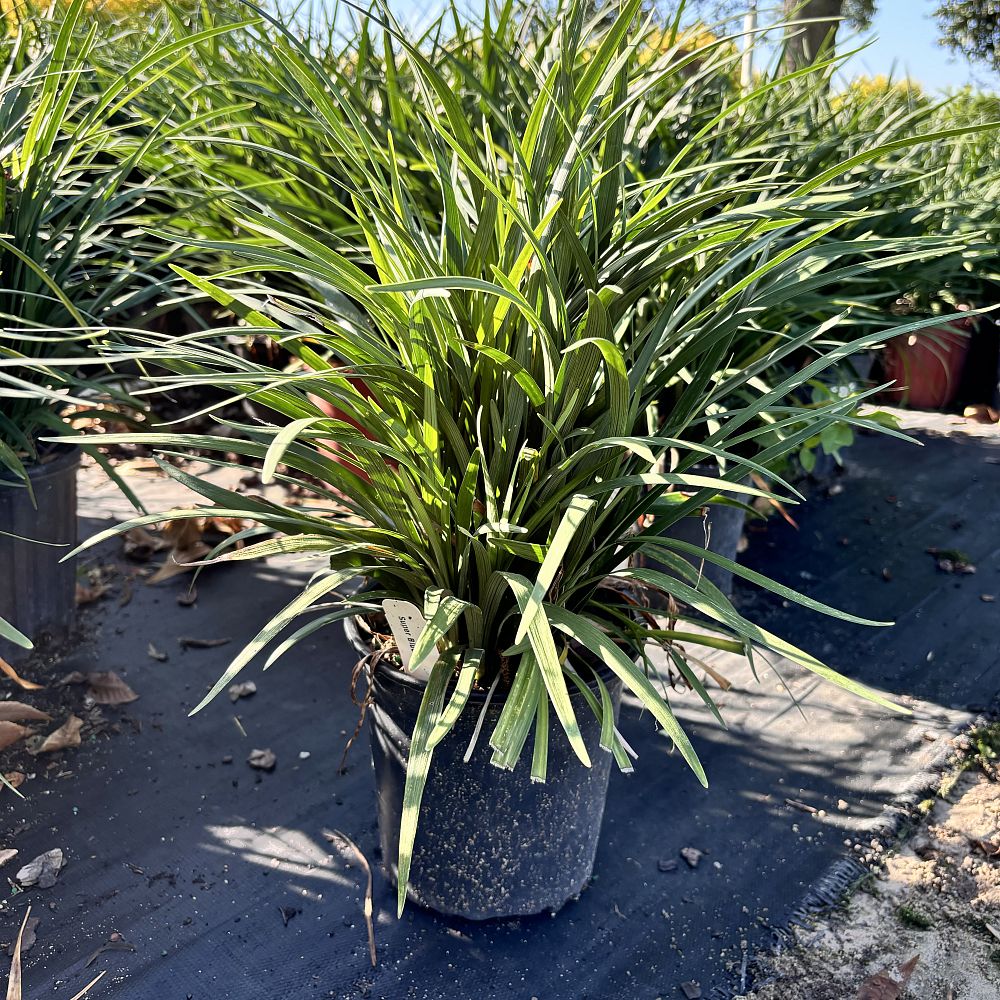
{"x": 495, "y": 365}
{"x": 74, "y": 259}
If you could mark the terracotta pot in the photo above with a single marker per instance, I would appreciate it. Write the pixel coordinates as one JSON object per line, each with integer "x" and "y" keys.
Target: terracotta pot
{"x": 927, "y": 366}
{"x": 331, "y": 449}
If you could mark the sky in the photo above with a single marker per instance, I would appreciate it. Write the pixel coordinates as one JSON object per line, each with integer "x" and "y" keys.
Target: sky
{"x": 905, "y": 44}
{"x": 903, "y": 41}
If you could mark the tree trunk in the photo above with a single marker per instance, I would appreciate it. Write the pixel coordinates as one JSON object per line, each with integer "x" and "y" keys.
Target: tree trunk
{"x": 803, "y": 42}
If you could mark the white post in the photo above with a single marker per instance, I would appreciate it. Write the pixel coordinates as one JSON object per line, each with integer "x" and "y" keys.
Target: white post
{"x": 749, "y": 27}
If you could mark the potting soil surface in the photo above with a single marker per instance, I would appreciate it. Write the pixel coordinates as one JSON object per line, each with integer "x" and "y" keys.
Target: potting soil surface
{"x": 202, "y": 877}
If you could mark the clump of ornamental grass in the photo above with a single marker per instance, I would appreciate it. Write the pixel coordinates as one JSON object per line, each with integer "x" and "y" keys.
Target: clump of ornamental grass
{"x": 476, "y": 387}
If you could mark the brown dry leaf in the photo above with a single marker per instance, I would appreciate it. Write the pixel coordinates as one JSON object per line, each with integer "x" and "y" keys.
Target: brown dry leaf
{"x": 107, "y": 688}
{"x": 115, "y": 943}
{"x": 188, "y": 598}
{"x": 225, "y": 525}
{"x": 27, "y": 937}
{"x": 982, "y": 414}
{"x": 884, "y": 986}
{"x": 67, "y": 735}
{"x": 140, "y": 544}
{"x": 989, "y": 847}
{"x": 14, "y": 779}
{"x": 7, "y": 669}
{"x": 762, "y": 484}
{"x": 186, "y": 547}
{"x": 11, "y": 732}
{"x": 7, "y": 854}
{"x": 88, "y": 593}
{"x": 17, "y": 711}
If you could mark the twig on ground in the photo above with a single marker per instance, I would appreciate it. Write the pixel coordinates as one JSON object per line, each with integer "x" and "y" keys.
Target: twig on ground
{"x": 334, "y": 835}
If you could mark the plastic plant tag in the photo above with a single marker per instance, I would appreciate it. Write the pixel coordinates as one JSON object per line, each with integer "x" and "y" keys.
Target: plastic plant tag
{"x": 407, "y": 623}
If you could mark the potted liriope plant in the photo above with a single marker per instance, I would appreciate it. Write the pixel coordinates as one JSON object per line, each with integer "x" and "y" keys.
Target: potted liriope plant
{"x": 493, "y": 365}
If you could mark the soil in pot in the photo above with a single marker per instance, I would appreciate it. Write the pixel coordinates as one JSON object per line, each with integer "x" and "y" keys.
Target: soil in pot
{"x": 490, "y": 843}
{"x": 37, "y": 592}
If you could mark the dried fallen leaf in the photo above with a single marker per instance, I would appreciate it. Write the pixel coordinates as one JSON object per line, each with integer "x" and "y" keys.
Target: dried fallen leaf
{"x": 188, "y": 643}
{"x": 13, "y": 779}
{"x": 244, "y": 690}
{"x": 7, "y": 669}
{"x": 982, "y": 414}
{"x": 187, "y": 548}
{"x": 17, "y": 711}
{"x": 11, "y": 732}
{"x": 156, "y": 654}
{"x": 885, "y": 986}
{"x": 115, "y": 943}
{"x": 107, "y": 688}
{"x": 43, "y": 871}
{"x": 140, "y": 544}
{"x": 73, "y": 677}
{"x": 989, "y": 847}
{"x": 67, "y": 735}
{"x": 27, "y": 937}
{"x": 188, "y": 598}
{"x": 7, "y": 854}
{"x": 263, "y": 760}
{"x": 88, "y": 593}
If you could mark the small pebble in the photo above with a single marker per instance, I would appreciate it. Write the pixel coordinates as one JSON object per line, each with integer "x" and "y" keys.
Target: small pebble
{"x": 692, "y": 856}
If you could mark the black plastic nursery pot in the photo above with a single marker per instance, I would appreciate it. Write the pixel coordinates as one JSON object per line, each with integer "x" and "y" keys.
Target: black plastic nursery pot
{"x": 725, "y": 526}
{"x": 37, "y": 592}
{"x": 490, "y": 843}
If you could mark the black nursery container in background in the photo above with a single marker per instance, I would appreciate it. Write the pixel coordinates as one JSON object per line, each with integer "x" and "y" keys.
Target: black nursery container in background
{"x": 37, "y": 591}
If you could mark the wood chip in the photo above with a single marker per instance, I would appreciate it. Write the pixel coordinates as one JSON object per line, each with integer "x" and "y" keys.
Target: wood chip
{"x": 14, "y": 779}
{"x": 801, "y": 806}
{"x": 189, "y": 643}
